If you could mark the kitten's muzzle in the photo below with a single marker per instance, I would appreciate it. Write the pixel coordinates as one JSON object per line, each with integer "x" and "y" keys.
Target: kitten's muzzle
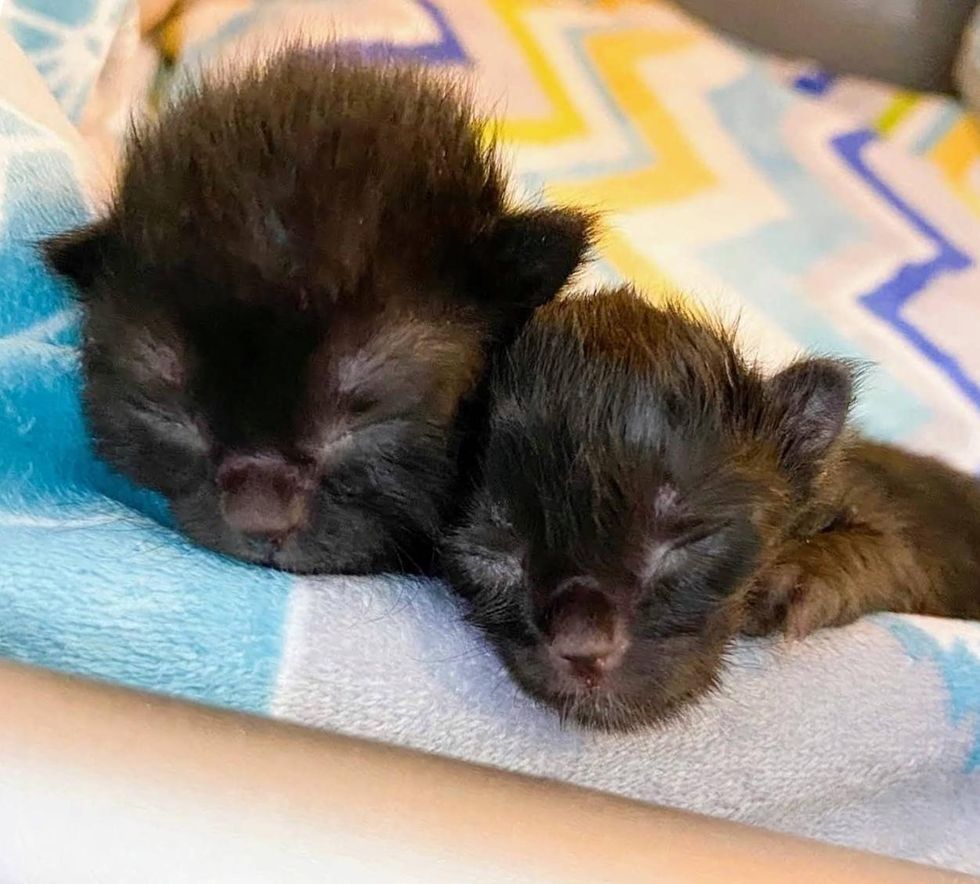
{"x": 264, "y": 497}
{"x": 586, "y": 634}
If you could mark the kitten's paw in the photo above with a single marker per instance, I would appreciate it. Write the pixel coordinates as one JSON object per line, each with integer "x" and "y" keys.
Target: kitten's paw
{"x": 787, "y": 599}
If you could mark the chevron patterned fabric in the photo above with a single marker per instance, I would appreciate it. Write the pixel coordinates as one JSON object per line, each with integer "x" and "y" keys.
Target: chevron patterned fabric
{"x": 828, "y": 213}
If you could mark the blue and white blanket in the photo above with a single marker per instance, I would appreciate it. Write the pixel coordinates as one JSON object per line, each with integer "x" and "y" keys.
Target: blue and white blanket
{"x": 868, "y": 735}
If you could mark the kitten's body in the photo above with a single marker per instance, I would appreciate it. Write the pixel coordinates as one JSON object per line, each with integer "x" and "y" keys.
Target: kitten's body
{"x": 901, "y": 533}
{"x": 291, "y": 298}
{"x": 646, "y": 494}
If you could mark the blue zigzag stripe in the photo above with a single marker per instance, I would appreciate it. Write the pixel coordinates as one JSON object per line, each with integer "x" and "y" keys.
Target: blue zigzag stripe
{"x": 765, "y": 265}
{"x": 910, "y": 279}
{"x": 447, "y": 49}
{"x": 816, "y": 82}
{"x": 959, "y": 668}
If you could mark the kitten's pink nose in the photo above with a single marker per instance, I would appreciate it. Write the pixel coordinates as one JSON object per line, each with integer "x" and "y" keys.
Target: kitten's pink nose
{"x": 263, "y": 496}
{"x": 585, "y": 632}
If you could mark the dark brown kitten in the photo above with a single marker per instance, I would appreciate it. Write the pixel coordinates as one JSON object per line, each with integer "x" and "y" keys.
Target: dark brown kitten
{"x": 890, "y": 531}
{"x": 291, "y": 299}
{"x": 646, "y": 494}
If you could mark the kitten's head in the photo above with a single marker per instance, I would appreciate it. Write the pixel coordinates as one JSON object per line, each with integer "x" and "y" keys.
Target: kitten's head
{"x": 295, "y": 288}
{"x": 636, "y": 472}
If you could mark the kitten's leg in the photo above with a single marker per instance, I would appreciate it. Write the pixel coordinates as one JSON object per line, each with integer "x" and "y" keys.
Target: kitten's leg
{"x": 834, "y": 577}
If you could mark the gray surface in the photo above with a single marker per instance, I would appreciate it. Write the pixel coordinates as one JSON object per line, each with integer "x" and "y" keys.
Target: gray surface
{"x": 909, "y": 42}
{"x": 967, "y": 71}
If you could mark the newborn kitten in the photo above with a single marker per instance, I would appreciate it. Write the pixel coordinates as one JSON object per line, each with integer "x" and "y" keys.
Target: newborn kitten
{"x": 292, "y": 296}
{"x": 646, "y": 493}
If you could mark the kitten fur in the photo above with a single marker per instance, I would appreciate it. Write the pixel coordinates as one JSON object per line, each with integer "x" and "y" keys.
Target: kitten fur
{"x": 646, "y": 493}
{"x": 290, "y": 301}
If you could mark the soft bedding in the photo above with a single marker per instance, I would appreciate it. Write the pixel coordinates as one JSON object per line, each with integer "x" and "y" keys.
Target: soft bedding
{"x": 830, "y": 213}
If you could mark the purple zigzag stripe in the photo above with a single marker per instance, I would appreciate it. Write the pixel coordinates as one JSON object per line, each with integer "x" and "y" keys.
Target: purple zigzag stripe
{"x": 446, "y": 50}
{"x": 888, "y": 299}
{"x": 816, "y": 82}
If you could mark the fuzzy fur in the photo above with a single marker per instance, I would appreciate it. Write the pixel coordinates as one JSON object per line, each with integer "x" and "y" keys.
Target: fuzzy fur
{"x": 646, "y": 493}
{"x": 290, "y": 301}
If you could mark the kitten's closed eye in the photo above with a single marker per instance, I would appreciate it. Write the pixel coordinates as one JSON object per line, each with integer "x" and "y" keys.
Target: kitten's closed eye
{"x": 486, "y": 555}
{"x": 171, "y": 424}
{"x": 155, "y": 359}
{"x": 696, "y": 532}
{"x": 676, "y": 526}
{"x": 359, "y": 404}
{"x": 486, "y": 569}
{"x": 690, "y": 537}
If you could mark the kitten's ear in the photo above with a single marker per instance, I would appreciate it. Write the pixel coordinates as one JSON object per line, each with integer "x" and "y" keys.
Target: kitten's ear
{"x": 810, "y": 401}
{"x": 79, "y": 254}
{"x": 530, "y": 255}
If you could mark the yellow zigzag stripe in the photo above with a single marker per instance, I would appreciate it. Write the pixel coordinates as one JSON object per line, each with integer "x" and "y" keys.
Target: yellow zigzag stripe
{"x": 564, "y": 121}
{"x": 676, "y": 171}
{"x": 898, "y": 108}
{"x": 649, "y": 279}
{"x": 955, "y": 154}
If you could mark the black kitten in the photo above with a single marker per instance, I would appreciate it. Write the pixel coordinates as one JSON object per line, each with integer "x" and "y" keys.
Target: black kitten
{"x": 293, "y": 292}
{"x": 646, "y": 493}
